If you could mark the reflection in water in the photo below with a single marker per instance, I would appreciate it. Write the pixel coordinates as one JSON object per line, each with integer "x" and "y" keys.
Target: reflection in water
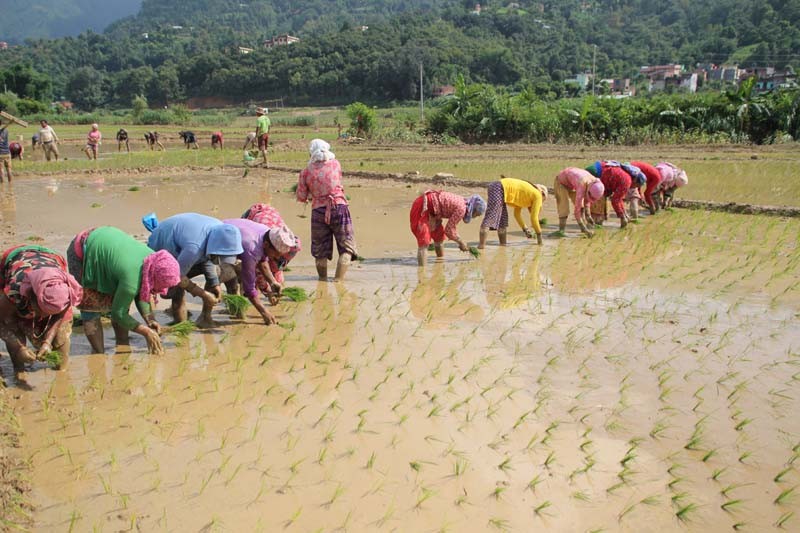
{"x": 508, "y": 289}
{"x": 438, "y": 302}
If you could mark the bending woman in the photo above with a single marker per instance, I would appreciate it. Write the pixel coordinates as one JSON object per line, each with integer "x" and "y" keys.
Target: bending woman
{"x": 116, "y": 270}
{"x": 428, "y": 212}
{"x": 321, "y": 182}
{"x": 518, "y": 194}
{"x": 36, "y": 300}
{"x": 270, "y": 217}
{"x": 672, "y": 178}
{"x": 583, "y": 189}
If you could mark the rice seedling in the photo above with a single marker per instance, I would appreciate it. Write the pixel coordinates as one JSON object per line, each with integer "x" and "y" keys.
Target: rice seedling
{"x": 53, "y": 359}
{"x": 780, "y": 475}
{"x": 499, "y": 523}
{"x": 182, "y": 329}
{"x": 236, "y": 305}
{"x": 539, "y": 509}
{"x": 784, "y": 496}
{"x": 425, "y": 495}
{"x": 474, "y": 252}
{"x": 683, "y": 512}
{"x": 295, "y": 294}
{"x": 785, "y": 517}
{"x": 730, "y": 504}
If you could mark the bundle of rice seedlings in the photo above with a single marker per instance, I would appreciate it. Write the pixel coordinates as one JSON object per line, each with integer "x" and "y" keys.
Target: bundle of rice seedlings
{"x": 182, "y": 329}
{"x": 474, "y": 251}
{"x": 295, "y": 294}
{"x": 53, "y": 359}
{"x": 236, "y": 304}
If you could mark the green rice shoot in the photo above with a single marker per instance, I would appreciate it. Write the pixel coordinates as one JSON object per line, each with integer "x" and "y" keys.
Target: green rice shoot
{"x": 53, "y": 359}
{"x": 182, "y": 329}
{"x": 236, "y": 304}
{"x": 474, "y": 251}
{"x": 295, "y": 294}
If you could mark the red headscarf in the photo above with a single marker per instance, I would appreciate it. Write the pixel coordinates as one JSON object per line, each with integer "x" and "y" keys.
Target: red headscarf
{"x": 160, "y": 272}
{"x": 54, "y": 289}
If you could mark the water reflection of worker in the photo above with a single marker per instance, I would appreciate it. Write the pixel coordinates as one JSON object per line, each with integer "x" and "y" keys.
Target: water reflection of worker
{"x": 438, "y": 303}
{"x": 333, "y": 323}
{"x": 428, "y": 213}
{"x": 508, "y": 288}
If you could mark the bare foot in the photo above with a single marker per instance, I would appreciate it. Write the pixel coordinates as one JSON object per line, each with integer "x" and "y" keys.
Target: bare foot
{"x": 206, "y": 322}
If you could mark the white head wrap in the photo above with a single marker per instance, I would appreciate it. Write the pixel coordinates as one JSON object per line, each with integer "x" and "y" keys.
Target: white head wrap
{"x": 320, "y": 151}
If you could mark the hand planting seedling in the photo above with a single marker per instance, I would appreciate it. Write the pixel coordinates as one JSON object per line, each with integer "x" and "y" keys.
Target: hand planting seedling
{"x": 474, "y": 251}
{"x": 236, "y": 304}
{"x": 53, "y": 359}
{"x": 182, "y": 329}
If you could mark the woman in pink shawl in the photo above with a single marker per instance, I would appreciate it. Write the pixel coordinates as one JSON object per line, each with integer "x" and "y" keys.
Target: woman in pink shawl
{"x": 36, "y": 299}
{"x": 269, "y": 217}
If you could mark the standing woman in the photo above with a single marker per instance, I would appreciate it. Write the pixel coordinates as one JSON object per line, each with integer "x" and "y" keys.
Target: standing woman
{"x": 116, "y": 270}
{"x": 271, "y": 218}
{"x": 428, "y": 212}
{"x": 93, "y": 142}
{"x": 616, "y": 183}
{"x": 321, "y": 182}
{"x": 260, "y": 243}
{"x": 36, "y": 299}
{"x": 672, "y": 178}
{"x": 519, "y": 194}
{"x": 583, "y": 189}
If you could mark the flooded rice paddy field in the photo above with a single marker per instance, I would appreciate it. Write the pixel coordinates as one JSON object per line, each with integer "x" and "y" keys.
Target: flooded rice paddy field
{"x": 644, "y": 380}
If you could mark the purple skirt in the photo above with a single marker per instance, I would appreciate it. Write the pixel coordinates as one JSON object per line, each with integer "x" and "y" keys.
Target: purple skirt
{"x": 340, "y": 228}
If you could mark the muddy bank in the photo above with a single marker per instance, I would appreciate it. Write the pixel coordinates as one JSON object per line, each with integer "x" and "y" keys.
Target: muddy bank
{"x": 739, "y": 209}
{"x": 14, "y": 488}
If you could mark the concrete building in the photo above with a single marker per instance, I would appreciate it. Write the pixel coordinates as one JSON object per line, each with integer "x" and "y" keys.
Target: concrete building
{"x": 281, "y": 40}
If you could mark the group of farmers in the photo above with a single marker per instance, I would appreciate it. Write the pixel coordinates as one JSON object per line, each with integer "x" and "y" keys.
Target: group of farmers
{"x": 588, "y": 189}
{"x": 106, "y": 270}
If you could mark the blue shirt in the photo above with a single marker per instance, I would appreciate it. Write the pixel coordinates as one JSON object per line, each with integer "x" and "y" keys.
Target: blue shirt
{"x": 4, "y": 142}
{"x": 185, "y": 237}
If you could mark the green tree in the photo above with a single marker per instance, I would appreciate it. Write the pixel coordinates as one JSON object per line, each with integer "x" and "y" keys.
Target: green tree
{"x": 85, "y": 88}
{"x": 362, "y": 119}
{"x": 140, "y": 106}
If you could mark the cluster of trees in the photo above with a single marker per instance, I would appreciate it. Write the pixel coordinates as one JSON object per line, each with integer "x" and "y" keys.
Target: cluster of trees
{"x": 482, "y": 113}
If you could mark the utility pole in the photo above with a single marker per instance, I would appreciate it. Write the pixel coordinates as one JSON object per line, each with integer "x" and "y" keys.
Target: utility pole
{"x": 421, "y": 97}
{"x": 594, "y": 63}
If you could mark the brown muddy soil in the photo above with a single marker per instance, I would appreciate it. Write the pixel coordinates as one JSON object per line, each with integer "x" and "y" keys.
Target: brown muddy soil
{"x": 644, "y": 380}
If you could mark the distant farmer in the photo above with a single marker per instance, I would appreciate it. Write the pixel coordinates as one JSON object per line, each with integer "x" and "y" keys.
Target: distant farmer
{"x": 16, "y": 149}
{"x": 122, "y": 138}
{"x": 116, "y": 270}
{"x": 321, "y": 182}
{"x": 189, "y": 139}
{"x": 616, "y": 183}
{"x": 5, "y": 152}
{"x": 216, "y": 140}
{"x": 260, "y": 243}
{"x": 583, "y": 189}
{"x": 36, "y": 299}
{"x": 428, "y": 213}
{"x": 152, "y": 139}
{"x": 653, "y": 181}
{"x": 250, "y": 141}
{"x": 269, "y": 217}
{"x": 93, "y": 140}
{"x": 48, "y": 139}
{"x": 34, "y": 141}
{"x": 199, "y": 243}
{"x": 520, "y": 195}
{"x": 672, "y": 178}
{"x": 262, "y": 132}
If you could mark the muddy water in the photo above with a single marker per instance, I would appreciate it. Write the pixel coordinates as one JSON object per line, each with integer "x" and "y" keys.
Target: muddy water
{"x": 515, "y": 392}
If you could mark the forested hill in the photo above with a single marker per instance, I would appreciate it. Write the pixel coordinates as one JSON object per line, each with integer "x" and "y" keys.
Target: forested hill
{"x": 37, "y": 19}
{"x": 182, "y": 48}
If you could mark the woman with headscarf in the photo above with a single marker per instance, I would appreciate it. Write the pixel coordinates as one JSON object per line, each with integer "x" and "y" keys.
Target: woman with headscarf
{"x": 260, "y": 243}
{"x": 36, "y": 299}
{"x": 520, "y": 195}
{"x": 271, "y": 218}
{"x": 93, "y": 142}
{"x": 116, "y": 270}
{"x": 200, "y": 244}
{"x": 616, "y": 182}
{"x": 583, "y": 189}
{"x": 428, "y": 212}
{"x": 321, "y": 182}
{"x": 653, "y": 181}
{"x": 672, "y": 178}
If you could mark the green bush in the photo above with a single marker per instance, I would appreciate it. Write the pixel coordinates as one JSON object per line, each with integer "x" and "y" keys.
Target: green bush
{"x": 362, "y": 119}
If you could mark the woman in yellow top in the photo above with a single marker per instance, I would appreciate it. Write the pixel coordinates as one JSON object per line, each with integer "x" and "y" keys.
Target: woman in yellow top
{"x": 520, "y": 195}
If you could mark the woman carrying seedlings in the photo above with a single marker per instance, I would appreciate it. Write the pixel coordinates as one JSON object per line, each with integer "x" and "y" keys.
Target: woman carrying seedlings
{"x": 199, "y": 243}
{"x": 672, "y": 178}
{"x": 36, "y": 299}
{"x": 260, "y": 243}
{"x": 116, "y": 270}
{"x": 271, "y": 218}
{"x": 616, "y": 183}
{"x": 428, "y": 212}
{"x": 321, "y": 182}
{"x": 583, "y": 189}
{"x": 653, "y": 181}
{"x": 518, "y": 194}
{"x": 93, "y": 142}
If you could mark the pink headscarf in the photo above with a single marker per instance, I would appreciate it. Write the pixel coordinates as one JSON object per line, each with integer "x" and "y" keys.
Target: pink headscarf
{"x": 282, "y": 239}
{"x": 160, "y": 272}
{"x": 54, "y": 289}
